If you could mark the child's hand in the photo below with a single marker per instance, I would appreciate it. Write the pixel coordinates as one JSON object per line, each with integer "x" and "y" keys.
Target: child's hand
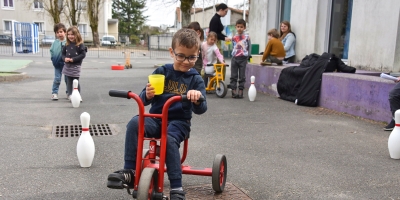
{"x": 193, "y": 96}
{"x": 149, "y": 91}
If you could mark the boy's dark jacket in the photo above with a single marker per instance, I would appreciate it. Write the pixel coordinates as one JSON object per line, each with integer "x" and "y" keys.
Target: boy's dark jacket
{"x": 177, "y": 83}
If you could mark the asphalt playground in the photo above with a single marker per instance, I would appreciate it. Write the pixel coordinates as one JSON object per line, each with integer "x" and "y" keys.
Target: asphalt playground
{"x": 274, "y": 148}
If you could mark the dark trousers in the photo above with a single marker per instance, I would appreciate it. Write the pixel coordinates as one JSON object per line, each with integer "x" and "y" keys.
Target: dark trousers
{"x": 177, "y": 131}
{"x": 273, "y": 59}
{"x": 70, "y": 81}
{"x": 238, "y": 72}
{"x": 290, "y": 59}
{"x": 394, "y": 99}
{"x": 205, "y": 79}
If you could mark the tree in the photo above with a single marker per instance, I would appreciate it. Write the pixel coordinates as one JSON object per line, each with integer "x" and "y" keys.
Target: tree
{"x": 186, "y": 6}
{"x": 146, "y": 31}
{"x": 74, "y": 8}
{"x": 130, "y": 15}
{"x": 93, "y": 11}
{"x": 53, "y": 7}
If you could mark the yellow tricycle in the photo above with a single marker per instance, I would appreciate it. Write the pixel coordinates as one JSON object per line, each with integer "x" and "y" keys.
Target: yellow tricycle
{"x": 216, "y": 83}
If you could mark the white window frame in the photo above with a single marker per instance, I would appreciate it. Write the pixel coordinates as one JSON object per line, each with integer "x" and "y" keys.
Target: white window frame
{"x": 83, "y": 32}
{"x": 40, "y": 5}
{"x": 41, "y": 27}
{"x": 8, "y": 7}
{"x": 5, "y": 30}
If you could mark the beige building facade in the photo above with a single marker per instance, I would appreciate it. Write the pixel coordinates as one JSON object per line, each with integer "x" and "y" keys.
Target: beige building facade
{"x": 33, "y": 12}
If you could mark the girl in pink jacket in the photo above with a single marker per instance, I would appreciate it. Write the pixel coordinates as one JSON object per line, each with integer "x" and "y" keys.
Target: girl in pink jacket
{"x": 210, "y": 54}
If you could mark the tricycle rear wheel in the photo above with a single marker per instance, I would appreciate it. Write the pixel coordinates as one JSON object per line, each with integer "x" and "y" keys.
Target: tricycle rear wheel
{"x": 219, "y": 172}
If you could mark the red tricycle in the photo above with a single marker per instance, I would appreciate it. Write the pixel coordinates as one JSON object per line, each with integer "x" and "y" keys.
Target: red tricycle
{"x": 150, "y": 166}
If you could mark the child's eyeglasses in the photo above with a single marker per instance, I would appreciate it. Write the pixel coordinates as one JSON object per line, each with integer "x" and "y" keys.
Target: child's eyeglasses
{"x": 182, "y": 58}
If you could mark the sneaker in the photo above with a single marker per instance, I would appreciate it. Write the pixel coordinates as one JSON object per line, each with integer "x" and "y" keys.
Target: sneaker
{"x": 390, "y": 126}
{"x": 54, "y": 97}
{"x": 177, "y": 195}
{"x": 121, "y": 179}
{"x": 69, "y": 98}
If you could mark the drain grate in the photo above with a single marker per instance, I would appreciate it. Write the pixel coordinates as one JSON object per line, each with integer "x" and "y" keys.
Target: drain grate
{"x": 321, "y": 111}
{"x": 205, "y": 192}
{"x": 75, "y": 130}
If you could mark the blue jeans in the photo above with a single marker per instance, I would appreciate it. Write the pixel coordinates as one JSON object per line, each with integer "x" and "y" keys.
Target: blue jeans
{"x": 57, "y": 79}
{"x": 177, "y": 131}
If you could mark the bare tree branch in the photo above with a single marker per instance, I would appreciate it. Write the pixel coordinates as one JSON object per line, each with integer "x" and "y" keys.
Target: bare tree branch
{"x": 93, "y": 11}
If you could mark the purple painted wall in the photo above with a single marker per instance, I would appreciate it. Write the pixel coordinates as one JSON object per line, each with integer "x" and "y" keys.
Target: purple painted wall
{"x": 360, "y": 95}
{"x": 266, "y": 77}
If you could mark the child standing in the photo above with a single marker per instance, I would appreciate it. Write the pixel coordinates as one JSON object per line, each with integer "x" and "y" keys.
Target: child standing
{"x": 180, "y": 79}
{"x": 73, "y": 54}
{"x": 210, "y": 53}
{"x": 274, "y": 51}
{"x": 196, "y": 27}
{"x": 240, "y": 55}
{"x": 56, "y": 59}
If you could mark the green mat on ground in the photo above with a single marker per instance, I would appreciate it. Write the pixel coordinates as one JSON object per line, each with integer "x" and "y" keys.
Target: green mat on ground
{"x": 8, "y": 65}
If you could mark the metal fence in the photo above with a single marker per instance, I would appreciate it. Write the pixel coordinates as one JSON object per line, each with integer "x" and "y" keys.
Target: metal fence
{"x": 111, "y": 51}
{"x": 156, "y": 46}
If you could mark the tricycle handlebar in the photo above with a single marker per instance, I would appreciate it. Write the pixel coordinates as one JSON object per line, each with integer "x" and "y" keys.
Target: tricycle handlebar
{"x": 125, "y": 94}
{"x": 218, "y": 64}
{"x": 119, "y": 93}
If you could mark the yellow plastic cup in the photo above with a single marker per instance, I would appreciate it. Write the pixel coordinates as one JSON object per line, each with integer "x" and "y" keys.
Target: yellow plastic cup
{"x": 157, "y": 81}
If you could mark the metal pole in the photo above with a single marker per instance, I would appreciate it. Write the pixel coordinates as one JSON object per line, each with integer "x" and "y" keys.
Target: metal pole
{"x": 244, "y": 9}
{"x": 204, "y": 15}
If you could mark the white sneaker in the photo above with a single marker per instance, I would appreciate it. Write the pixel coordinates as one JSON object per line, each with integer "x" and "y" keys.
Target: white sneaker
{"x": 54, "y": 97}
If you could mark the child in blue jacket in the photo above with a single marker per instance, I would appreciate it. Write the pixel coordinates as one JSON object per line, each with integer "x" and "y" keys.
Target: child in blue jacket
{"x": 180, "y": 78}
{"x": 56, "y": 58}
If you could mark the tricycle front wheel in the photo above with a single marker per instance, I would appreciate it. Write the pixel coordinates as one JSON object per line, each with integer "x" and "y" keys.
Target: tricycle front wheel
{"x": 221, "y": 90}
{"x": 219, "y": 172}
{"x": 147, "y": 184}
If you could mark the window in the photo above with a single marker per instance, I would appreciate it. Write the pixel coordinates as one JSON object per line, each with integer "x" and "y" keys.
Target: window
{"x": 7, "y": 26}
{"x": 82, "y": 29}
{"x": 82, "y": 5}
{"x": 285, "y": 10}
{"x": 8, "y": 3}
{"x": 339, "y": 35}
{"x": 37, "y": 4}
{"x": 41, "y": 28}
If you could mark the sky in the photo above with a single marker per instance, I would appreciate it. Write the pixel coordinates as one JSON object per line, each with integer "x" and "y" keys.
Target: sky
{"x": 163, "y": 11}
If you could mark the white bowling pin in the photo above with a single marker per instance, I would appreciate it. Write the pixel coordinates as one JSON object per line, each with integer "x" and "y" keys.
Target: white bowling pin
{"x": 85, "y": 147}
{"x": 252, "y": 90}
{"x": 75, "y": 96}
{"x": 394, "y": 138}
